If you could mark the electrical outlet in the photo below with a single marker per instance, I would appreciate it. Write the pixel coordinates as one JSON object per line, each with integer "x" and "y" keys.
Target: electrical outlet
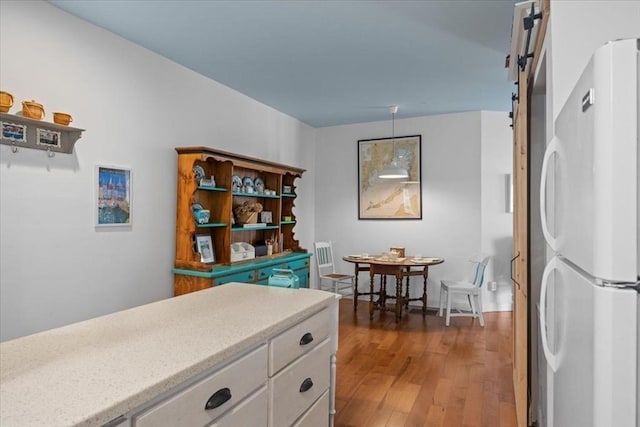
{"x": 493, "y": 286}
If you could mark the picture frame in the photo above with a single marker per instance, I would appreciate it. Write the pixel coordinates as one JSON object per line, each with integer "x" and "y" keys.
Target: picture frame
{"x": 204, "y": 244}
{"x": 14, "y": 132}
{"x": 113, "y": 196}
{"x": 266, "y": 217}
{"x": 390, "y": 199}
{"x": 49, "y": 138}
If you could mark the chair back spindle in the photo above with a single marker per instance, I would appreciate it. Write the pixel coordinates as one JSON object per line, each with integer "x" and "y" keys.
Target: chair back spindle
{"x": 326, "y": 268}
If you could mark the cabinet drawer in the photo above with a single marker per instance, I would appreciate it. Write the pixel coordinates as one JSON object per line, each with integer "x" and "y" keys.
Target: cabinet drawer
{"x": 303, "y": 275}
{"x": 299, "y": 385}
{"x": 250, "y": 412}
{"x": 187, "y": 408}
{"x": 244, "y": 277}
{"x": 300, "y": 263}
{"x": 317, "y": 415}
{"x": 298, "y": 340}
{"x": 264, "y": 273}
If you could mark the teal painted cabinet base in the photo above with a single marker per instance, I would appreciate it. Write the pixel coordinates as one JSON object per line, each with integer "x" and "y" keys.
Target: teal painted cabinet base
{"x": 257, "y": 272}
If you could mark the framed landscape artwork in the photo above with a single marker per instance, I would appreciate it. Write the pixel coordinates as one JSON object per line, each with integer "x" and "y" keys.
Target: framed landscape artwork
{"x": 380, "y": 198}
{"x": 113, "y": 196}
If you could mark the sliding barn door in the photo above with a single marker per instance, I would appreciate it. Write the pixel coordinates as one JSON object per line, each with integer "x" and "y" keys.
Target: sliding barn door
{"x": 520, "y": 250}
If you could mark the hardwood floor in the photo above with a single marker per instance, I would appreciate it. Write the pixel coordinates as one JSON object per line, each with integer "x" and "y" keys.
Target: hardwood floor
{"x": 420, "y": 373}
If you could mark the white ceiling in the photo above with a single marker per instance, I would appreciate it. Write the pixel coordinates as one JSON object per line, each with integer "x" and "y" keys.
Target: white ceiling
{"x": 330, "y": 62}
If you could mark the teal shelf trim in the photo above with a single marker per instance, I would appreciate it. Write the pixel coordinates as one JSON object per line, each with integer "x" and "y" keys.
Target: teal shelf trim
{"x": 289, "y": 195}
{"x": 287, "y": 222}
{"x": 212, "y": 188}
{"x": 268, "y": 227}
{"x": 225, "y": 270}
{"x": 264, "y": 196}
{"x": 193, "y": 273}
{"x": 212, "y": 225}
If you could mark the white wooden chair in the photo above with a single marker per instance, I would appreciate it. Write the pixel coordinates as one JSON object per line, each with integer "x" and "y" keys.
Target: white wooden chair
{"x": 471, "y": 287}
{"x": 325, "y": 268}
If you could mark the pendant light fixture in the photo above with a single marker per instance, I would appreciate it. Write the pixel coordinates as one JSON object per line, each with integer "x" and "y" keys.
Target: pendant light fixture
{"x": 393, "y": 170}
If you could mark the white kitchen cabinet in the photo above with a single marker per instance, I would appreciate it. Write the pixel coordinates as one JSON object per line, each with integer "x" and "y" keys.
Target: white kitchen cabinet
{"x": 299, "y": 385}
{"x": 249, "y": 412}
{"x": 253, "y": 347}
{"x": 317, "y": 415}
{"x": 299, "y": 375}
{"x": 297, "y": 340}
{"x": 207, "y": 399}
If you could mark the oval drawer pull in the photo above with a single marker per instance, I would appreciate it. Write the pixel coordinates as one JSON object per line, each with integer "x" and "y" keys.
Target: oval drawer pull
{"x": 306, "y": 338}
{"x": 218, "y": 398}
{"x": 306, "y": 385}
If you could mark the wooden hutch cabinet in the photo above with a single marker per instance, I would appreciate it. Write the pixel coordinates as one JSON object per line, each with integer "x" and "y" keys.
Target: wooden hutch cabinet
{"x": 223, "y": 190}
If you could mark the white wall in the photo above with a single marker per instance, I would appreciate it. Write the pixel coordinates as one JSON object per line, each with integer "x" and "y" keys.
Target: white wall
{"x": 496, "y": 220}
{"x": 455, "y": 177}
{"x": 577, "y": 29}
{"x": 55, "y": 267}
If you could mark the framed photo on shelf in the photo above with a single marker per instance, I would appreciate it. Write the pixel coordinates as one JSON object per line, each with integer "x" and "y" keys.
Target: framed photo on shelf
{"x": 113, "y": 196}
{"x": 389, "y": 197}
{"x": 14, "y": 132}
{"x": 49, "y": 138}
{"x": 205, "y": 248}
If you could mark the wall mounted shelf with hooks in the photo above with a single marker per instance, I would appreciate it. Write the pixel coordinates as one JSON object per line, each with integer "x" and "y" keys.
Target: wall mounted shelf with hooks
{"x": 22, "y": 132}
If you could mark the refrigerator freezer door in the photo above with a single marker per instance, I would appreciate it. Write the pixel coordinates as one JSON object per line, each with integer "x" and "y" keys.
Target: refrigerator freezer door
{"x": 596, "y": 144}
{"x": 594, "y": 355}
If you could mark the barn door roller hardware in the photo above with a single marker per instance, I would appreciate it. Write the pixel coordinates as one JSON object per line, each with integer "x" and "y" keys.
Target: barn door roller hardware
{"x": 529, "y": 24}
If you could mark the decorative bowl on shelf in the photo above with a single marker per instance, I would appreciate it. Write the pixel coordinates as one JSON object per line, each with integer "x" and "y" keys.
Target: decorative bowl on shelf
{"x": 32, "y": 110}
{"x": 6, "y": 101}
{"x": 247, "y": 218}
{"x": 247, "y": 213}
{"x": 62, "y": 118}
{"x": 202, "y": 216}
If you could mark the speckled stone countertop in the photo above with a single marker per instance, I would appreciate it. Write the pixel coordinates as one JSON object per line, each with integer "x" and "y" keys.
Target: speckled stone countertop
{"x": 91, "y": 372}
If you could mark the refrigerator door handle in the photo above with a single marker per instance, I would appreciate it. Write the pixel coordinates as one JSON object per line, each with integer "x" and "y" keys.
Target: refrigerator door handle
{"x": 551, "y": 148}
{"x": 552, "y": 359}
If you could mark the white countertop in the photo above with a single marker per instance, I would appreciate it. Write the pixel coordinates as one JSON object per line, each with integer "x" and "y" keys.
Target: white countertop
{"x": 90, "y": 372}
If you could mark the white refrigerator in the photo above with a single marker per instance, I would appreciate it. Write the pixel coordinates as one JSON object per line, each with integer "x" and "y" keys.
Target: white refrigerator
{"x": 589, "y": 296}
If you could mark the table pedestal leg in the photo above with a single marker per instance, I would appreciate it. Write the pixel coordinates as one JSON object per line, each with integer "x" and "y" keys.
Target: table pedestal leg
{"x": 399, "y": 299}
{"x": 425, "y": 274}
{"x": 371, "y": 277}
{"x": 355, "y": 290}
{"x": 406, "y": 287}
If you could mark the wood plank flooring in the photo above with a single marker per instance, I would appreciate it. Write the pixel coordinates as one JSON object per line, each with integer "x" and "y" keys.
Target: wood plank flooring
{"x": 420, "y": 373}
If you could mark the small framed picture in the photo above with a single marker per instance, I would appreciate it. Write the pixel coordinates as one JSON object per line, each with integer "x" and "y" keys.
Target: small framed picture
{"x": 266, "y": 217}
{"x": 14, "y": 132}
{"x": 49, "y": 138}
{"x": 113, "y": 196}
{"x": 205, "y": 248}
